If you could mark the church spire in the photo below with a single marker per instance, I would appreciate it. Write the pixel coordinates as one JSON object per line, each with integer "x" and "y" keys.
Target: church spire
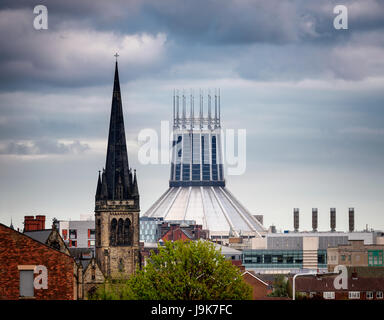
{"x": 117, "y": 157}
{"x": 98, "y": 189}
{"x": 135, "y": 188}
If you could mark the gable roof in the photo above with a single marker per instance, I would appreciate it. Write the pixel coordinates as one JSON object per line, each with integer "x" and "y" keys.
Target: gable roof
{"x": 42, "y": 243}
{"x": 251, "y": 274}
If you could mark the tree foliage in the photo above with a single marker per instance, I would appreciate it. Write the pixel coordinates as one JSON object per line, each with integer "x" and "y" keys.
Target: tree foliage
{"x": 281, "y": 287}
{"x": 190, "y": 270}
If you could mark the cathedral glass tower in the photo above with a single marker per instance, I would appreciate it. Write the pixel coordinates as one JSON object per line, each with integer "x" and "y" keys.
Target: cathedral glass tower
{"x": 197, "y": 188}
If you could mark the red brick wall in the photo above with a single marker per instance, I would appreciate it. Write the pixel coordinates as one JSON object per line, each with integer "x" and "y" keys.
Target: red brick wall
{"x": 32, "y": 224}
{"x": 175, "y": 234}
{"x": 18, "y": 249}
{"x": 259, "y": 289}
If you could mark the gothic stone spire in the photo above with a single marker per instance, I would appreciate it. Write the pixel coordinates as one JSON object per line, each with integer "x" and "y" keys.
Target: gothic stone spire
{"x": 117, "y": 168}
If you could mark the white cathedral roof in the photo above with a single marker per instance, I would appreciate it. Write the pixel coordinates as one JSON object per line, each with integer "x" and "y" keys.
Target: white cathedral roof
{"x": 215, "y": 208}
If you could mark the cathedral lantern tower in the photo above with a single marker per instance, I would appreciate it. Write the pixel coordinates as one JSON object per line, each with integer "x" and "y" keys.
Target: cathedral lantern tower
{"x": 117, "y": 205}
{"x": 197, "y": 185}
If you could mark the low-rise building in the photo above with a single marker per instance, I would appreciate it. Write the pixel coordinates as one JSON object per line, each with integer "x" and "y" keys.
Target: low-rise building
{"x": 294, "y": 252}
{"x": 260, "y": 288}
{"x": 77, "y": 234}
{"x": 30, "y": 269}
{"x": 356, "y": 254}
{"x": 183, "y": 231}
{"x": 361, "y": 283}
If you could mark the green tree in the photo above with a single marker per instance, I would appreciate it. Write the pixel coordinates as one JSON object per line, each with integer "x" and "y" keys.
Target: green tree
{"x": 182, "y": 270}
{"x": 281, "y": 287}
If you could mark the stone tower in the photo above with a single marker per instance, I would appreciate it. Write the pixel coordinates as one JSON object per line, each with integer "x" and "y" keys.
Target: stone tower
{"x": 117, "y": 200}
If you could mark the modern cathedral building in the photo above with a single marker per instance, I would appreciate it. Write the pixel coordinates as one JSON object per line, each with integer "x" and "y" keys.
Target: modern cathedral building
{"x": 197, "y": 185}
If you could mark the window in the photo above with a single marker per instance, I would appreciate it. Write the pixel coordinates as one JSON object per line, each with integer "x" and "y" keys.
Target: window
{"x": 379, "y": 295}
{"x": 267, "y": 259}
{"x": 55, "y": 245}
{"x": 64, "y": 233}
{"x": 121, "y": 265}
{"x": 98, "y": 232}
{"x": 120, "y": 230}
{"x": 128, "y": 232}
{"x": 375, "y": 258}
{"x": 342, "y": 257}
{"x": 91, "y": 233}
{"x": 93, "y": 273}
{"x": 26, "y": 283}
{"x": 72, "y": 243}
{"x": 369, "y": 295}
{"x": 113, "y": 236}
{"x": 329, "y": 295}
{"x": 354, "y": 295}
{"x": 72, "y": 234}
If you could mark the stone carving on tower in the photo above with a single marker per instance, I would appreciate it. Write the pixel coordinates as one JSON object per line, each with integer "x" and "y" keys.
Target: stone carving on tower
{"x": 117, "y": 205}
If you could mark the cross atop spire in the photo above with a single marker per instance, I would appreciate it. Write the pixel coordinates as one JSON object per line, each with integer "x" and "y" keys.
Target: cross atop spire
{"x": 116, "y": 55}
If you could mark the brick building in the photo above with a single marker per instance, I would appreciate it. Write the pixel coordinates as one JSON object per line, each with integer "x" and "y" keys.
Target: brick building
{"x": 356, "y": 254}
{"x": 177, "y": 231}
{"x": 49, "y": 237}
{"x": 25, "y": 263}
{"x": 89, "y": 274}
{"x": 260, "y": 288}
{"x": 362, "y": 283}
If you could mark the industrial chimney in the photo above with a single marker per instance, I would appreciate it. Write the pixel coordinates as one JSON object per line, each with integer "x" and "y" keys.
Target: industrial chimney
{"x": 296, "y": 219}
{"x": 314, "y": 219}
{"x": 351, "y": 212}
{"x": 333, "y": 219}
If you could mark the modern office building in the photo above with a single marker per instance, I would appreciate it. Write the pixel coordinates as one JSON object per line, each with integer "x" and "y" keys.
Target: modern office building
{"x": 304, "y": 251}
{"x": 197, "y": 185}
{"x": 150, "y": 229}
{"x": 295, "y": 251}
{"x": 77, "y": 233}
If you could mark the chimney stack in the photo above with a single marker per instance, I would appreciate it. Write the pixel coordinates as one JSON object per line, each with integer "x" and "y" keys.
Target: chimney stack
{"x": 314, "y": 219}
{"x": 333, "y": 219}
{"x": 296, "y": 219}
{"x": 34, "y": 224}
{"x": 351, "y": 212}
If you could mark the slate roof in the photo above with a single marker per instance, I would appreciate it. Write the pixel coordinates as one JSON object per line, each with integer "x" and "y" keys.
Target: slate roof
{"x": 359, "y": 279}
{"x": 41, "y": 235}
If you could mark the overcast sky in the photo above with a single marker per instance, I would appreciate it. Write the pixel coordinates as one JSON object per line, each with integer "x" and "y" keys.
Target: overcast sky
{"x": 310, "y": 97}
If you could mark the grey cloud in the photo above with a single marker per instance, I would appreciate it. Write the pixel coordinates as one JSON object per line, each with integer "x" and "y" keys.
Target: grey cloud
{"x": 44, "y": 147}
{"x": 230, "y": 36}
